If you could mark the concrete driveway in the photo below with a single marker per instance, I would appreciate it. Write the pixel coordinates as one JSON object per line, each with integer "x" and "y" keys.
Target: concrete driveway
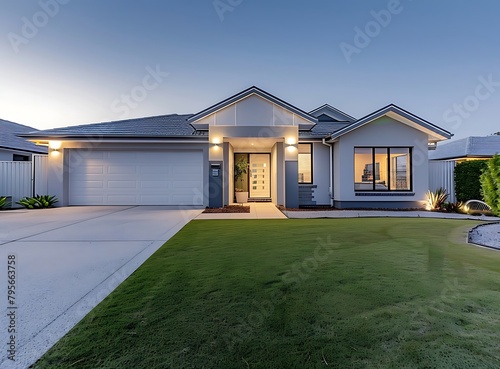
{"x": 68, "y": 260}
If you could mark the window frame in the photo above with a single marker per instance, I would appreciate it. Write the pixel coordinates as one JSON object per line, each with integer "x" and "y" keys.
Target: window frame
{"x": 312, "y": 162}
{"x": 389, "y": 169}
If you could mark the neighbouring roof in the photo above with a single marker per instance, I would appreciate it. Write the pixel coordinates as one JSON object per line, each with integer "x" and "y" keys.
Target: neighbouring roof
{"x": 9, "y": 138}
{"x": 252, "y": 91}
{"x": 172, "y": 125}
{"x": 470, "y": 147}
{"x": 399, "y": 114}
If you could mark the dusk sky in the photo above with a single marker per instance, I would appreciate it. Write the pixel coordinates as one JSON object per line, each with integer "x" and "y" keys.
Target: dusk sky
{"x": 73, "y": 62}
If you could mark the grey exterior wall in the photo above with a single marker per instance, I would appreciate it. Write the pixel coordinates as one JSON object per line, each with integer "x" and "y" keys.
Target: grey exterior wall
{"x": 280, "y": 173}
{"x": 321, "y": 173}
{"x": 216, "y": 183}
{"x": 8, "y": 155}
{"x": 383, "y": 132}
{"x": 377, "y": 204}
{"x": 292, "y": 186}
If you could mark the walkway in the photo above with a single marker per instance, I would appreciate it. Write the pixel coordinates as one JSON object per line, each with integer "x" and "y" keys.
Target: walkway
{"x": 383, "y": 214}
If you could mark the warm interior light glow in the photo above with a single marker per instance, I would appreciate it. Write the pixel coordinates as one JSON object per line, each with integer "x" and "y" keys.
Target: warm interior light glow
{"x": 290, "y": 141}
{"x": 55, "y": 145}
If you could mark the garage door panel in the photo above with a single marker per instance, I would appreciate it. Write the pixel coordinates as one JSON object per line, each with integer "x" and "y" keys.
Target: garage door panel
{"x": 136, "y": 178}
{"x": 121, "y": 184}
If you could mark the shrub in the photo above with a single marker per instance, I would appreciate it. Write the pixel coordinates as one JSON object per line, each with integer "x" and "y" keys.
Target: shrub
{"x": 467, "y": 184}
{"x": 454, "y": 207}
{"x": 3, "y": 201}
{"x": 38, "y": 202}
{"x": 490, "y": 184}
{"x": 436, "y": 200}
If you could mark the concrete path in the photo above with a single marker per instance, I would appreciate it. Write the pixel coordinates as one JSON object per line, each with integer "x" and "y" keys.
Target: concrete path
{"x": 383, "y": 214}
{"x": 68, "y": 260}
{"x": 258, "y": 210}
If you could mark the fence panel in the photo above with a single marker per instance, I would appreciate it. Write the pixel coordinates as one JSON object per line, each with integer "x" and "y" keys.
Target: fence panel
{"x": 40, "y": 177}
{"x": 15, "y": 179}
{"x": 441, "y": 174}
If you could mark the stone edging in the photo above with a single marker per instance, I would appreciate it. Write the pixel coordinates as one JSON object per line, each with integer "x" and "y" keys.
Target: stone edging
{"x": 472, "y": 230}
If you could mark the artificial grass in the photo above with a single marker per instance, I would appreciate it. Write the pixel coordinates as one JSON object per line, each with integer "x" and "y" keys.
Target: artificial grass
{"x": 345, "y": 293}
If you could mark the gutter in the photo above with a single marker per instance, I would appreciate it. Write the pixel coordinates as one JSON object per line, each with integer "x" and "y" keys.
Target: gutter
{"x": 331, "y": 169}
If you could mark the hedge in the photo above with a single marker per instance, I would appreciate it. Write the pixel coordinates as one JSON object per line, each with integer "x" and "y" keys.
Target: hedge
{"x": 467, "y": 183}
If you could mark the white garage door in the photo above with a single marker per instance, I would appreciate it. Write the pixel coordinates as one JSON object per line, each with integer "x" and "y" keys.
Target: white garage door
{"x": 135, "y": 178}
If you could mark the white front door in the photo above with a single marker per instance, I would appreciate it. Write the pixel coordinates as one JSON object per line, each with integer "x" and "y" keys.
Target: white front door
{"x": 260, "y": 184}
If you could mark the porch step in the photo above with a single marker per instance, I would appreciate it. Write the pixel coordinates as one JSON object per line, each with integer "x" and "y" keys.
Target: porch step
{"x": 259, "y": 199}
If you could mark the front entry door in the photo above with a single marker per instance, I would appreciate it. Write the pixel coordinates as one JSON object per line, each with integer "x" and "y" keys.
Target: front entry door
{"x": 260, "y": 183}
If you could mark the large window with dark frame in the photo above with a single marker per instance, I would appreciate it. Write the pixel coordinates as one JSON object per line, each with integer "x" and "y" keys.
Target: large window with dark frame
{"x": 382, "y": 169}
{"x": 305, "y": 163}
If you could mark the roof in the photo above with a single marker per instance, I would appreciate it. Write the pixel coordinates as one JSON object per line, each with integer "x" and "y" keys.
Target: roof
{"x": 470, "y": 147}
{"x": 323, "y": 129}
{"x": 172, "y": 125}
{"x": 333, "y": 113}
{"x": 252, "y": 91}
{"x": 10, "y": 140}
{"x": 398, "y": 113}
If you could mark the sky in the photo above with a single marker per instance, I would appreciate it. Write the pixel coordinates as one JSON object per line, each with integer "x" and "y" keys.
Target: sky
{"x": 69, "y": 62}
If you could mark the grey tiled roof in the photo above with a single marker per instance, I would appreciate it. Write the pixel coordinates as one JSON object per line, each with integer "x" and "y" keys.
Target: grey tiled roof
{"x": 467, "y": 147}
{"x": 10, "y": 140}
{"x": 158, "y": 126}
{"x": 323, "y": 129}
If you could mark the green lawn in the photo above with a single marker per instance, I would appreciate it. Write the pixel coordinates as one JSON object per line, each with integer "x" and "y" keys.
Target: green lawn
{"x": 346, "y": 293}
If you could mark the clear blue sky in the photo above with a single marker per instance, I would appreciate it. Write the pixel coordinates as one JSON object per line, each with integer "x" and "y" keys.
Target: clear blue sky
{"x": 65, "y": 64}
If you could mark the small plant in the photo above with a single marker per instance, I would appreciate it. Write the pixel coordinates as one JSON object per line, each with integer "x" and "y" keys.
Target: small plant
{"x": 3, "y": 201}
{"x": 38, "y": 202}
{"x": 436, "y": 200}
{"x": 454, "y": 207}
{"x": 240, "y": 169}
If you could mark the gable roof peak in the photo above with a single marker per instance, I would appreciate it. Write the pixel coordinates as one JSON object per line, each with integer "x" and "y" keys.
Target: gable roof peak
{"x": 248, "y": 92}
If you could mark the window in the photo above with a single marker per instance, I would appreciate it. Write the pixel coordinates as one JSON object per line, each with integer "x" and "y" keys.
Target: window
{"x": 305, "y": 163}
{"x": 17, "y": 157}
{"x": 382, "y": 169}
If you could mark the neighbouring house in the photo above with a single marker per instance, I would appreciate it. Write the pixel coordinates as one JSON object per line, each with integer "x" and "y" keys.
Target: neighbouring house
{"x": 15, "y": 148}
{"x": 295, "y": 158}
{"x": 470, "y": 148}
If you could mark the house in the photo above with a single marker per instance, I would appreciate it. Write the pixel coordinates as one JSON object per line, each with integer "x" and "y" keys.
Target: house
{"x": 14, "y": 148}
{"x": 470, "y": 148}
{"x": 296, "y": 158}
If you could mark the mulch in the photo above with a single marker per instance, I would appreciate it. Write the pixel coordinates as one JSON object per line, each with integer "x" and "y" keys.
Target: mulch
{"x": 228, "y": 209}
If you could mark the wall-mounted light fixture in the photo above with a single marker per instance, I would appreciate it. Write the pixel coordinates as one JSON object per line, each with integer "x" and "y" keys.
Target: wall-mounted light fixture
{"x": 290, "y": 141}
{"x": 54, "y": 145}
